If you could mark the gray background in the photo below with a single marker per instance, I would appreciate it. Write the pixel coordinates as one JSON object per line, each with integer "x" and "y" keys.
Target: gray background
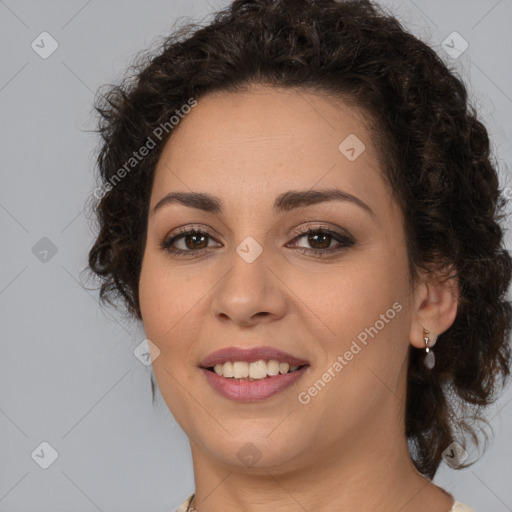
{"x": 68, "y": 375}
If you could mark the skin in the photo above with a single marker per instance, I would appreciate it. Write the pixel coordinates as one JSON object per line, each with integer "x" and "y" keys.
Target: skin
{"x": 345, "y": 449}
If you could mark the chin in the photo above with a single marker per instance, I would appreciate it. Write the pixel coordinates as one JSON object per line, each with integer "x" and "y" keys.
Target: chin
{"x": 255, "y": 450}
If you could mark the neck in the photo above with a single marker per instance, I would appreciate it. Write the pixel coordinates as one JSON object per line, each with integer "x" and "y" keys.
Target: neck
{"x": 371, "y": 472}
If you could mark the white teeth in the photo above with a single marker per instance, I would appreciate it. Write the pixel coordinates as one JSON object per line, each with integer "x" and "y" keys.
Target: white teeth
{"x": 240, "y": 370}
{"x": 251, "y": 371}
{"x": 273, "y": 367}
{"x": 228, "y": 370}
{"x": 258, "y": 369}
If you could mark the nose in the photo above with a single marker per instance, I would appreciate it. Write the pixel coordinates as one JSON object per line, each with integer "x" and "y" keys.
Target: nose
{"x": 250, "y": 293}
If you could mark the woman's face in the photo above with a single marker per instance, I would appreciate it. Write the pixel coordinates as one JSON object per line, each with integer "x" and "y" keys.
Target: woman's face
{"x": 337, "y": 299}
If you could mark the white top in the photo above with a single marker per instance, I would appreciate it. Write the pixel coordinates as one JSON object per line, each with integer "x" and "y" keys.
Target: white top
{"x": 460, "y": 507}
{"x": 457, "y": 506}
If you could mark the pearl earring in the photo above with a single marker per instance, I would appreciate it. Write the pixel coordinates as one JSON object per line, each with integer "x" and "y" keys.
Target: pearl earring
{"x": 430, "y": 358}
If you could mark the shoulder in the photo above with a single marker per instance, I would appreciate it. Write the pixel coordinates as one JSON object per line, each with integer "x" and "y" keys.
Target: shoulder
{"x": 460, "y": 507}
{"x": 184, "y": 506}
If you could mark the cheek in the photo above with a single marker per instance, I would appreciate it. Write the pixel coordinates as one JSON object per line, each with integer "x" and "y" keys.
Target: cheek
{"x": 367, "y": 311}
{"x": 172, "y": 306}
{"x": 151, "y": 298}
{"x": 164, "y": 308}
{"x": 355, "y": 297}
{"x": 164, "y": 297}
{"x": 365, "y": 305}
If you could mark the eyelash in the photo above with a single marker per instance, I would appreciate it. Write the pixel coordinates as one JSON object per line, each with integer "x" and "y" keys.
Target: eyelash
{"x": 344, "y": 240}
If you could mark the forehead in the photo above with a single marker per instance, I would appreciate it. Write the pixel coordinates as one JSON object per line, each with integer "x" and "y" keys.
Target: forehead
{"x": 247, "y": 144}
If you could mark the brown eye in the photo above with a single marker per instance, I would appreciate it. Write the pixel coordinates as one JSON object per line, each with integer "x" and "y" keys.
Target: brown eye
{"x": 320, "y": 239}
{"x": 195, "y": 241}
{"x": 187, "y": 242}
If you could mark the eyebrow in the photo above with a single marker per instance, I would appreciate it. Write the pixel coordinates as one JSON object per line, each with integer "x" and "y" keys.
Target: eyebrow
{"x": 284, "y": 202}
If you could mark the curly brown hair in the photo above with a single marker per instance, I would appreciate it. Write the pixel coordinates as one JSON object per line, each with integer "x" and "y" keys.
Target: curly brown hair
{"x": 435, "y": 154}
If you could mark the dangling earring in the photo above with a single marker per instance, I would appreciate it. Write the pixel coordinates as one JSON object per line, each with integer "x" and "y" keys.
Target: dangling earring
{"x": 430, "y": 358}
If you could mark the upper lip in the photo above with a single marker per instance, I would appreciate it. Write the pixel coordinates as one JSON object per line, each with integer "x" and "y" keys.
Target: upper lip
{"x": 250, "y": 355}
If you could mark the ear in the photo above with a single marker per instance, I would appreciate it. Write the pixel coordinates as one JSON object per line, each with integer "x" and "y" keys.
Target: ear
{"x": 436, "y": 298}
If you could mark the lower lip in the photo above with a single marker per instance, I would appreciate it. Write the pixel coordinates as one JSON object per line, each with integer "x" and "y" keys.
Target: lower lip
{"x": 252, "y": 390}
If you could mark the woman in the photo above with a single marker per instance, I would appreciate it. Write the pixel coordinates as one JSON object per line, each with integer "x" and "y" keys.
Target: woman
{"x": 299, "y": 205}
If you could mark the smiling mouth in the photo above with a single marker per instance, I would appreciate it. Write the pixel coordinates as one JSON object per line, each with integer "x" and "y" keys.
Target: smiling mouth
{"x": 257, "y": 370}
